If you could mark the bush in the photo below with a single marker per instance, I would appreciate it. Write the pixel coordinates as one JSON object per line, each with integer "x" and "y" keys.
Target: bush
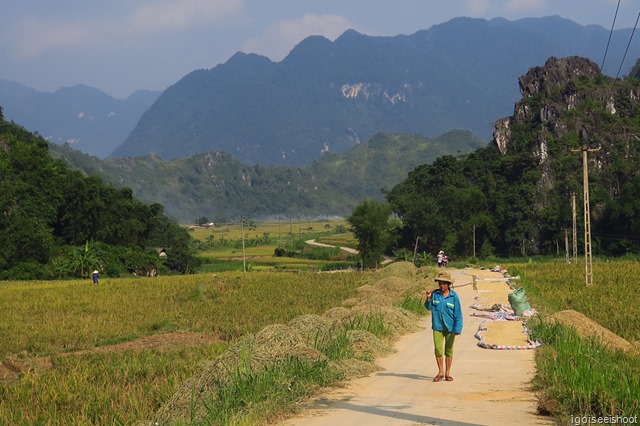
{"x": 25, "y": 271}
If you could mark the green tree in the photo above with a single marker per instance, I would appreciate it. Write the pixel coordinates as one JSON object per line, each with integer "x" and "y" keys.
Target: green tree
{"x": 635, "y": 70}
{"x": 371, "y": 226}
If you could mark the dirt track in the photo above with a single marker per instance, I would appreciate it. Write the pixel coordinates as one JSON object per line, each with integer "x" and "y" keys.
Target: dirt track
{"x": 490, "y": 387}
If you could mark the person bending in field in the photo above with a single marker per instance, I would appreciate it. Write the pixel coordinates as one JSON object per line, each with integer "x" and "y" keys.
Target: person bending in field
{"x": 446, "y": 322}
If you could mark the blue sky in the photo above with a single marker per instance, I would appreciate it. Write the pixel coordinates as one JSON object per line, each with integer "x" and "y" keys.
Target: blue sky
{"x": 119, "y": 46}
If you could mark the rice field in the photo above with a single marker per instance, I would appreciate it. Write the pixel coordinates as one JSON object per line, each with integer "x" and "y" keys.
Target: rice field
{"x": 223, "y": 247}
{"x": 77, "y": 353}
{"x": 585, "y": 374}
{"x": 55, "y": 330}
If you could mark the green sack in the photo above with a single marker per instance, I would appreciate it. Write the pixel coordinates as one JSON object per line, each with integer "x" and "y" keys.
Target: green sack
{"x": 518, "y": 301}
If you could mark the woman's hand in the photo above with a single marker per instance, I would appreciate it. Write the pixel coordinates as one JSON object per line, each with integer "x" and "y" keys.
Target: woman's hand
{"x": 428, "y": 294}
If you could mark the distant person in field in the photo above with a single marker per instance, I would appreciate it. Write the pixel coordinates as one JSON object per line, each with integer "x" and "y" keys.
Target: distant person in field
{"x": 446, "y": 322}
{"x": 445, "y": 260}
{"x": 440, "y": 258}
{"x": 95, "y": 276}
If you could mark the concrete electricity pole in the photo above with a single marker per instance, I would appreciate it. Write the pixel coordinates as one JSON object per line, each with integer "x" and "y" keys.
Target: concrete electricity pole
{"x": 587, "y": 216}
{"x": 575, "y": 228}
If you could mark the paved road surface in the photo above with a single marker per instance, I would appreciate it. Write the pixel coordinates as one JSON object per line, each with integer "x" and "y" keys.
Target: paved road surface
{"x": 490, "y": 387}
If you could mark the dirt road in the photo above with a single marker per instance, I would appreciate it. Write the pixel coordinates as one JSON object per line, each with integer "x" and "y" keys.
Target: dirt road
{"x": 490, "y": 387}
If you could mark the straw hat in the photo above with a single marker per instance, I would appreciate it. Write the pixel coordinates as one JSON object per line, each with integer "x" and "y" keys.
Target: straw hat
{"x": 444, "y": 276}
{"x": 440, "y": 252}
{"x": 95, "y": 272}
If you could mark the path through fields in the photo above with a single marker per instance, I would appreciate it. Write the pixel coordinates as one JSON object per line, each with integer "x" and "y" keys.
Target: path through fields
{"x": 490, "y": 387}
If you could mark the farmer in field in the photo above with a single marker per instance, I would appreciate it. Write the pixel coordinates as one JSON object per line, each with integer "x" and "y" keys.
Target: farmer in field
{"x": 95, "y": 276}
{"x": 440, "y": 257}
{"x": 446, "y": 322}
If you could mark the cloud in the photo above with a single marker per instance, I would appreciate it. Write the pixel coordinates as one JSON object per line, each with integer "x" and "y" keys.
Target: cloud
{"x": 505, "y": 8}
{"x": 32, "y": 36}
{"x": 477, "y": 8}
{"x": 172, "y": 14}
{"x": 36, "y": 35}
{"x": 521, "y": 6}
{"x": 278, "y": 39}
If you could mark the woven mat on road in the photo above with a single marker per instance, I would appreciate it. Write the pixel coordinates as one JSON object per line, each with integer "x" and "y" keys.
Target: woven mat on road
{"x": 486, "y": 299}
{"x": 504, "y": 335}
{"x": 482, "y": 273}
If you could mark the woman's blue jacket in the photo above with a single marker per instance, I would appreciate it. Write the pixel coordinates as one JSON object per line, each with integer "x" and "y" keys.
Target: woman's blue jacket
{"x": 445, "y": 311}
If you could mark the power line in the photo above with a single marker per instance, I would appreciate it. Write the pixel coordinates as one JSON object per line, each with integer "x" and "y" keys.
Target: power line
{"x": 628, "y": 44}
{"x": 610, "y": 33}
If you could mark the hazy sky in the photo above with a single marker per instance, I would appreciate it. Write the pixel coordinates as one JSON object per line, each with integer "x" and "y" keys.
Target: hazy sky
{"x": 119, "y": 46}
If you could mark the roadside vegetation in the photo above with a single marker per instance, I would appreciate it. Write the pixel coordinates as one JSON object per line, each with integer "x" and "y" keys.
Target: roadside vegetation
{"x": 578, "y": 373}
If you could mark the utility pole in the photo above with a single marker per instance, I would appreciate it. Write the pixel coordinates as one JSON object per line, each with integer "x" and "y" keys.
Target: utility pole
{"x": 244, "y": 257}
{"x": 575, "y": 228}
{"x": 588, "y": 273}
{"x": 474, "y": 241}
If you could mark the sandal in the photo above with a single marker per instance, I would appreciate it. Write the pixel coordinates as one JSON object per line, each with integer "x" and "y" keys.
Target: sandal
{"x": 448, "y": 378}
{"x": 437, "y": 378}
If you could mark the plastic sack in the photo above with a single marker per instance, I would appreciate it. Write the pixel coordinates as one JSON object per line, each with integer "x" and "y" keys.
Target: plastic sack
{"x": 518, "y": 301}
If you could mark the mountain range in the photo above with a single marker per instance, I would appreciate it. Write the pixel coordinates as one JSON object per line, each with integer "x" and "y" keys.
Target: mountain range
{"x": 83, "y": 117}
{"x": 330, "y": 96}
{"x": 324, "y": 97}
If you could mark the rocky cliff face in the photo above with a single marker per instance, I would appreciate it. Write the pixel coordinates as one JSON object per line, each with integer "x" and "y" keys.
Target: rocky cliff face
{"x": 568, "y": 102}
{"x": 555, "y": 84}
{"x": 568, "y": 105}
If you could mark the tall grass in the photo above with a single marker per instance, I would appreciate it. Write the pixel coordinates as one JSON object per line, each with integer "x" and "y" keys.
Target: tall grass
{"x": 257, "y": 396}
{"x": 251, "y": 398}
{"x": 577, "y": 375}
{"x": 580, "y": 375}
{"x": 412, "y": 303}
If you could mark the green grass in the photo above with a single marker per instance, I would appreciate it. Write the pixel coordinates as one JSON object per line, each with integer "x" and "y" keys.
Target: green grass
{"x": 51, "y": 318}
{"x": 613, "y": 300}
{"x": 251, "y": 398}
{"x": 412, "y": 303}
{"x": 579, "y": 375}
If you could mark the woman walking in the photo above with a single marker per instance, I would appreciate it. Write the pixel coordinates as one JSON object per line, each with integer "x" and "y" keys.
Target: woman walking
{"x": 446, "y": 322}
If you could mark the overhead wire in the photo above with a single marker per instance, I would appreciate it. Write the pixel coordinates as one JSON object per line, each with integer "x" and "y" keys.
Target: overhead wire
{"x": 610, "y": 34}
{"x": 628, "y": 44}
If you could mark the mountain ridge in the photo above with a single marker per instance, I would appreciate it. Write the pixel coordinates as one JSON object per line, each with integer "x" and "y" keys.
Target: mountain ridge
{"x": 329, "y": 96}
{"x": 83, "y": 116}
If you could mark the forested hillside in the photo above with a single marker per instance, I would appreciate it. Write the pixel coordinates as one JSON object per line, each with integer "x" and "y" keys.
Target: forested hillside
{"x": 55, "y": 222}
{"x": 218, "y": 186}
{"x": 514, "y": 197}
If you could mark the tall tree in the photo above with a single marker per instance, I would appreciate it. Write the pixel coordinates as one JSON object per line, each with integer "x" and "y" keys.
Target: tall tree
{"x": 370, "y": 224}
